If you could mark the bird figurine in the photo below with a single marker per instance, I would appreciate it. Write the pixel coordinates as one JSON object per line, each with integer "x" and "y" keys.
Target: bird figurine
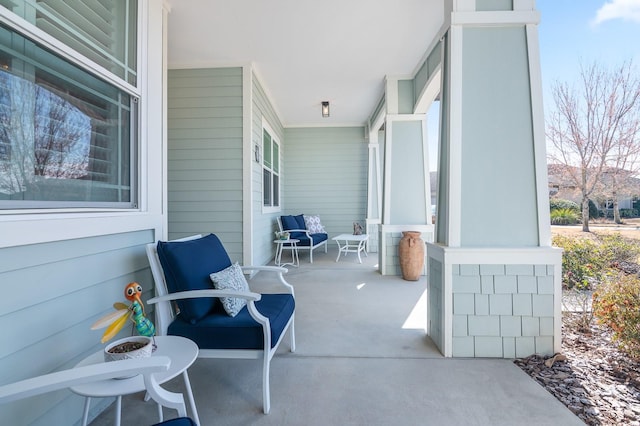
{"x": 115, "y": 321}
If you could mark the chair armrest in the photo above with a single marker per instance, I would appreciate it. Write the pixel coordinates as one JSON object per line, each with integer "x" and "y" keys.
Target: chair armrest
{"x": 249, "y": 296}
{"x": 82, "y": 375}
{"x": 277, "y": 269}
{"x": 265, "y": 268}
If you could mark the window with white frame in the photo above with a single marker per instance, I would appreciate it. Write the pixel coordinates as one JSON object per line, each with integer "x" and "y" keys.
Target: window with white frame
{"x": 270, "y": 170}
{"x": 68, "y": 134}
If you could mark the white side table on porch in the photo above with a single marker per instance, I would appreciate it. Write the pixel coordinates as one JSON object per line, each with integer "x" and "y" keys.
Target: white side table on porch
{"x": 293, "y": 246}
{"x": 348, "y": 243}
{"x": 182, "y": 352}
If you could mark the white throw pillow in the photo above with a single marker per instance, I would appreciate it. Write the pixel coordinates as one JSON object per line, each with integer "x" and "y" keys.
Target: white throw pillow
{"x": 313, "y": 224}
{"x": 231, "y": 278}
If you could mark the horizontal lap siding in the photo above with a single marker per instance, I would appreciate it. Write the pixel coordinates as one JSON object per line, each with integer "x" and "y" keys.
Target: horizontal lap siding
{"x": 52, "y": 293}
{"x": 205, "y": 155}
{"x": 326, "y": 174}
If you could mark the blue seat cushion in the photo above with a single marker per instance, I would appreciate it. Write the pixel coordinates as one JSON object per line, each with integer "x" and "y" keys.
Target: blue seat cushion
{"x": 316, "y": 238}
{"x": 180, "y": 421}
{"x": 220, "y": 331}
{"x": 187, "y": 266}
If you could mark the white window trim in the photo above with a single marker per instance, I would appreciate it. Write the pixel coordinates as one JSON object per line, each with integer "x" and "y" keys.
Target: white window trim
{"x": 22, "y": 227}
{"x": 274, "y": 138}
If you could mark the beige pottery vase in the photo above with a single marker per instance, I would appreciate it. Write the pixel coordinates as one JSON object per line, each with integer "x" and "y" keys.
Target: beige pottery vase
{"x": 411, "y": 253}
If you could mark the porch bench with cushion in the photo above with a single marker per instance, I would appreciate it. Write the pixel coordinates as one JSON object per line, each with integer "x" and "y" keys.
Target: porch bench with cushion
{"x": 307, "y": 229}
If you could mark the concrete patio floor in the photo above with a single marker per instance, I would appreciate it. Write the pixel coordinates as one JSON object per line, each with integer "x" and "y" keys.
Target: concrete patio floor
{"x": 362, "y": 358}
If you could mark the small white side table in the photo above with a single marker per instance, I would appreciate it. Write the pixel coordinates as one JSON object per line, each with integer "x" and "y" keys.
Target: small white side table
{"x": 348, "y": 243}
{"x": 182, "y": 352}
{"x": 295, "y": 260}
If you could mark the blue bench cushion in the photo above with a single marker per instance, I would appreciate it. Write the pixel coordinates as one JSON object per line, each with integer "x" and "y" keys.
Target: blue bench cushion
{"x": 220, "y": 331}
{"x": 180, "y": 421}
{"x": 317, "y": 238}
{"x": 187, "y": 266}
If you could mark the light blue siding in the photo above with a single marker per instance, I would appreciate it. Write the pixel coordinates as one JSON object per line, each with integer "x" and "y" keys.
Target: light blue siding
{"x": 205, "y": 154}
{"x": 52, "y": 293}
{"x": 426, "y": 70}
{"x": 407, "y": 192}
{"x": 497, "y": 135}
{"x": 492, "y": 5}
{"x": 264, "y": 224}
{"x": 326, "y": 174}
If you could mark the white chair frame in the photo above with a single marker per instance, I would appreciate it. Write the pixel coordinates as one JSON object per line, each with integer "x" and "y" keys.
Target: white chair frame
{"x": 310, "y": 247}
{"x": 98, "y": 372}
{"x": 165, "y": 315}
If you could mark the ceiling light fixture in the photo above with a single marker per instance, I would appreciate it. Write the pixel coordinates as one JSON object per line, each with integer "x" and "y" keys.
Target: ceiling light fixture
{"x": 325, "y": 109}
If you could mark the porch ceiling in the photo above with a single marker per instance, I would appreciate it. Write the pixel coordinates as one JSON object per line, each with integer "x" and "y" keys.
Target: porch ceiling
{"x": 307, "y": 52}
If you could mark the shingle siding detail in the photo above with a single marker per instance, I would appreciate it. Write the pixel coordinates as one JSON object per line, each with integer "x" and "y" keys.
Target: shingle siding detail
{"x": 502, "y": 311}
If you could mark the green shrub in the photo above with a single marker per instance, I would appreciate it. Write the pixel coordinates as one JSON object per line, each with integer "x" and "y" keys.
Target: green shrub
{"x": 616, "y": 304}
{"x": 564, "y": 217}
{"x": 583, "y": 262}
{"x": 559, "y": 204}
{"x": 628, "y": 213}
{"x": 587, "y": 261}
{"x": 616, "y": 248}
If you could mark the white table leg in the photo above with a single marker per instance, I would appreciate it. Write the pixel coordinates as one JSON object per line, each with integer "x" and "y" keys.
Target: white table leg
{"x": 192, "y": 403}
{"x": 294, "y": 255}
{"x": 160, "y": 415}
{"x": 278, "y": 253}
{"x": 85, "y": 414}
{"x": 116, "y": 420}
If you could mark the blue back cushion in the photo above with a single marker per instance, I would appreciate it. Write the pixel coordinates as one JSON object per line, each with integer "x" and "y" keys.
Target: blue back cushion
{"x": 300, "y": 221}
{"x": 187, "y": 265}
{"x": 292, "y": 222}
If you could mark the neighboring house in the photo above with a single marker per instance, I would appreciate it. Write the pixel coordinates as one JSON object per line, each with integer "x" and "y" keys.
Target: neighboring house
{"x": 106, "y": 146}
{"x": 561, "y": 186}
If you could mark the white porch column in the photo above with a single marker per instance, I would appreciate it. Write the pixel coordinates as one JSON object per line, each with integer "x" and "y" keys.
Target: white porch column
{"x": 406, "y": 202}
{"x": 494, "y": 279}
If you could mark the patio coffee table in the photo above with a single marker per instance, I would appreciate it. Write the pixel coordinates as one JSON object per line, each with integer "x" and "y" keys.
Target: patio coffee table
{"x": 349, "y": 243}
{"x": 182, "y": 352}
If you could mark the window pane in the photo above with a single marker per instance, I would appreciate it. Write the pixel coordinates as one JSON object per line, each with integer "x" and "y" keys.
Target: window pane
{"x": 102, "y": 30}
{"x": 276, "y": 190}
{"x": 276, "y": 158}
{"x": 266, "y": 187}
{"x": 65, "y": 135}
{"x": 266, "y": 149}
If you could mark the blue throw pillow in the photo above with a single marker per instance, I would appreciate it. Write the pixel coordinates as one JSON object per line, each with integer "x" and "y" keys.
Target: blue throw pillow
{"x": 187, "y": 266}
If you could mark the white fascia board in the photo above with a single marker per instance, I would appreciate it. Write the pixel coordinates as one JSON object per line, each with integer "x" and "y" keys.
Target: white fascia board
{"x": 455, "y": 138}
{"x": 539, "y": 138}
{"x": 495, "y": 18}
{"x": 247, "y": 164}
{"x": 429, "y": 92}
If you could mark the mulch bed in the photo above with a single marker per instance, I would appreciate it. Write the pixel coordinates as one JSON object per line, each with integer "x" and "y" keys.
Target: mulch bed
{"x": 597, "y": 382}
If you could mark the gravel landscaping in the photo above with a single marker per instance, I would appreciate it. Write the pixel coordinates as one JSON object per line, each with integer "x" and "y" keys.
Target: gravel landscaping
{"x": 595, "y": 380}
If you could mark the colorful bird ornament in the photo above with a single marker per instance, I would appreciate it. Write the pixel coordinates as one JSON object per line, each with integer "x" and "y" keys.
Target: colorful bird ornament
{"x": 115, "y": 321}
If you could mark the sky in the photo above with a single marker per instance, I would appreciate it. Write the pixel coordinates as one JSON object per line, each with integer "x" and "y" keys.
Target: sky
{"x": 572, "y": 32}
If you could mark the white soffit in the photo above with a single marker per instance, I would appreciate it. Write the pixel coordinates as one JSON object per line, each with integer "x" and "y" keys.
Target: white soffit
{"x": 306, "y": 52}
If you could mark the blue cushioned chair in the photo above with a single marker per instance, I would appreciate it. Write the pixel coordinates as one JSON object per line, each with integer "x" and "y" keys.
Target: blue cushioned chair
{"x": 298, "y": 230}
{"x": 181, "y": 270}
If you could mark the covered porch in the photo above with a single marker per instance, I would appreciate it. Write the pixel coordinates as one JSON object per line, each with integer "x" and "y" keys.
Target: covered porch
{"x": 362, "y": 357}
{"x": 228, "y": 133}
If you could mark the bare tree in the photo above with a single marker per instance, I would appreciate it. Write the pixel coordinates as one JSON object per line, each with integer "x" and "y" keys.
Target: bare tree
{"x": 589, "y": 125}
